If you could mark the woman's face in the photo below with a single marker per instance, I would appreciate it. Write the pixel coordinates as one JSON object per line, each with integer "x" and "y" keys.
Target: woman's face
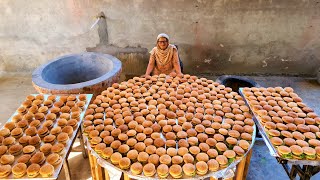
{"x": 163, "y": 43}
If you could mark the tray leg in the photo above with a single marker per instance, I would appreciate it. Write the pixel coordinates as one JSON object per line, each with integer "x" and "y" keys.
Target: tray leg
{"x": 240, "y": 169}
{"x": 243, "y": 167}
{"x": 293, "y": 172}
{"x": 92, "y": 166}
{"x": 314, "y": 170}
{"x": 84, "y": 152}
{"x": 305, "y": 175}
{"x": 310, "y": 171}
{"x": 300, "y": 171}
{"x": 98, "y": 170}
{"x": 126, "y": 177}
{"x": 66, "y": 169}
{"x": 247, "y": 164}
{"x": 106, "y": 174}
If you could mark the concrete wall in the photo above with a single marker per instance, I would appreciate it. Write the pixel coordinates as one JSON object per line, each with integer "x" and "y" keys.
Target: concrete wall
{"x": 214, "y": 36}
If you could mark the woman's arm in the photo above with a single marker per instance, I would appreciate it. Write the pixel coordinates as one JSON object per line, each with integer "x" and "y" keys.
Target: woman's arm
{"x": 176, "y": 63}
{"x": 150, "y": 65}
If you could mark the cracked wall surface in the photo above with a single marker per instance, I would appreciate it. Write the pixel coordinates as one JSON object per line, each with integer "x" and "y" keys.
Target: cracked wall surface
{"x": 214, "y": 36}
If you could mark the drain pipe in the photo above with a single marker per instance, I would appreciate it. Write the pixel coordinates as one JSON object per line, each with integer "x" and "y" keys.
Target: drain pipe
{"x": 102, "y": 28}
{"x": 318, "y": 76}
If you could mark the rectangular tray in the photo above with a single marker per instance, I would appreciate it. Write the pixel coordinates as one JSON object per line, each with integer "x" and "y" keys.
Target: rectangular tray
{"x": 58, "y": 168}
{"x": 272, "y": 150}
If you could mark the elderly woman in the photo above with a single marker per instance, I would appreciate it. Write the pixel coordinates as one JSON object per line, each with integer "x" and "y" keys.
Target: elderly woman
{"x": 164, "y": 57}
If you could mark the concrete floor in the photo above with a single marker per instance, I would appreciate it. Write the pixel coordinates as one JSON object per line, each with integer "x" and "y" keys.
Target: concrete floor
{"x": 14, "y": 89}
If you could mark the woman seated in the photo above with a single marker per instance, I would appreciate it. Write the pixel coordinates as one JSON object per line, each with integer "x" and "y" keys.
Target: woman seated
{"x": 164, "y": 58}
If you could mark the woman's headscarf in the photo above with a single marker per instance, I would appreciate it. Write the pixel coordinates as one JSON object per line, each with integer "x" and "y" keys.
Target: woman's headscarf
{"x": 163, "y": 57}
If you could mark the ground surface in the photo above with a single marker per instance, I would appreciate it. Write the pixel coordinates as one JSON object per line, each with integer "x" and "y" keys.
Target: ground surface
{"x": 14, "y": 89}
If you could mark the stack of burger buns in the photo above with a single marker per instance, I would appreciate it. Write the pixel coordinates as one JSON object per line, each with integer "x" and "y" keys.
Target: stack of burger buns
{"x": 169, "y": 126}
{"x": 34, "y": 141}
{"x": 292, "y": 126}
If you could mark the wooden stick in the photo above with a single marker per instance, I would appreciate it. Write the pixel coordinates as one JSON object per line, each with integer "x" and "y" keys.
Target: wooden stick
{"x": 95, "y": 167}
{"x": 246, "y": 168}
{"x": 92, "y": 165}
{"x": 66, "y": 169}
{"x": 240, "y": 169}
{"x": 84, "y": 152}
{"x": 126, "y": 177}
{"x": 106, "y": 174}
{"x": 97, "y": 170}
{"x": 100, "y": 172}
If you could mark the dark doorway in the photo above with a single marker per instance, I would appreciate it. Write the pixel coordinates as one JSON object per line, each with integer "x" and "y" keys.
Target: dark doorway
{"x": 236, "y": 82}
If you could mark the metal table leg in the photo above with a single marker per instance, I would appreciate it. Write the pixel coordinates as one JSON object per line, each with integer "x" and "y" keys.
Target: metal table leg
{"x": 309, "y": 171}
{"x": 293, "y": 172}
{"x": 84, "y": 151}
{"x": 66, "y": 169}
{"x": 305, "y": 172}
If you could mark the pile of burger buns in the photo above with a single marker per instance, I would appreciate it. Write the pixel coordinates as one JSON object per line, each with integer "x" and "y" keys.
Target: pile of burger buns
{"x": 34, "y": 140}
{"x": 292, "y": 126}
{"x": 169, "y": 126}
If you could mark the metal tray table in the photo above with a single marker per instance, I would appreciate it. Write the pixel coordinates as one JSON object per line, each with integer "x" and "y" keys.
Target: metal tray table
{"x": 310, "y": 167}
{"x": 68, "y": 146}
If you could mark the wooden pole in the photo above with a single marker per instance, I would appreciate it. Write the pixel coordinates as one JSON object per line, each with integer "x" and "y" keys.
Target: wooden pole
{"x": 97, "y": 170}
{"x": 240, "y": 169}
{"x": 66, "y": 169}
{"x": 81, "y": 139}
{"x": 106, "y": 174}
{"x": 246, "y": 168}
{"x": 92, "y": 165}
{"x": 126, "y": 177}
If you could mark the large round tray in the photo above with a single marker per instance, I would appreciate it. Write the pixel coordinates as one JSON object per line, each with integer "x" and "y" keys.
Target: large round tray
{"x": 113, "y": 170}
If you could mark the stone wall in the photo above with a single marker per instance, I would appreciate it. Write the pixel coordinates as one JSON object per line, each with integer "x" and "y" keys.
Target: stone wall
{"x": 214, "y": 36}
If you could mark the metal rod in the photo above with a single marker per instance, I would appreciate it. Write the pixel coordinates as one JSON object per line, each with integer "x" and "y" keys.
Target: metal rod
{"x": 293, "y": 173}
{"x": 285, "y": 166}
{"x": 315, "y": 170}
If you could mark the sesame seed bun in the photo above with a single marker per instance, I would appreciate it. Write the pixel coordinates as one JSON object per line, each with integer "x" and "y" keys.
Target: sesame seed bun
{"x": 19, "y": 170}
{"x": 149, "y": 169}
{"x": 24, "y": 159}
{"x": 124, "y": 163}
{"x": 115, "y": 158}
{"x": 136, "y": 168}
{"x": 33, "y": 170}
{"x": 38, "y": 158}
{"x": 6, "y": 159}
{"x": 54, "y": 159}
{"x": 163, "y": 171}
{"x": 46, "y": 170}
{"x": 213, "y": 165}
{"x": 175, "y": 171}
{"x": 202, "y": 168}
